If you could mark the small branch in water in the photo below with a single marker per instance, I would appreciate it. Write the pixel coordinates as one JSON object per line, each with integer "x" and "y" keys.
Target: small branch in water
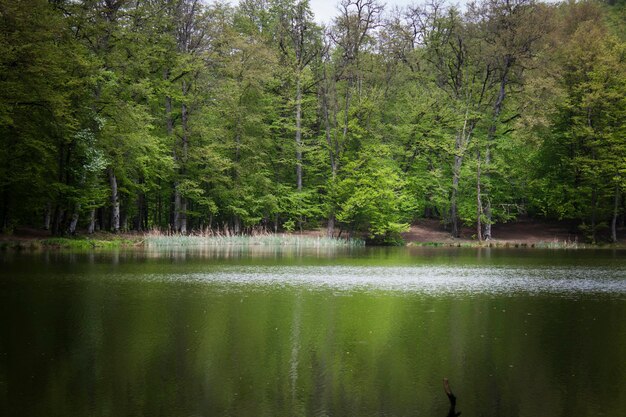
{"x": 446, "y": 387}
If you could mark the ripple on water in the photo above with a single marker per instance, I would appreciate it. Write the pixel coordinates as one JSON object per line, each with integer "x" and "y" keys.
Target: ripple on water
{"x": 421, "y": 279}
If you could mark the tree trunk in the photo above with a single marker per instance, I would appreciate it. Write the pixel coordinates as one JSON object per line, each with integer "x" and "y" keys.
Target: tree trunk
{"x": 176, "y": 221}
{"x": 236, "y": 225}
{"x": 333, "y": 150}
{"x": 124, "y": 218}
{"x": 100, "y": 219}
{"x": 180, "y": 206}
{"x": 298, "y": 135}
{"x": 92, "y": 221}
{"x": 169, "y": 122}
{"x": 461, "y": 143}
{"x": 594, "y": 203}
{"x": 169, "y": 125}
{"x": 183, "y": 216}
{"x": 140, "y": 212}
{"x": 115, "y": 203}
{"x": 57, "y": 221}
{"x": 456, "y": 174}
{"x": 491, "y": 134}
{"x": 615, "y": 214}
{"x": 159, "y": 208}
{"x": 330, "y": 228}
{"x": 74, "y": 221}
{"x": 346, "y": 118}
{"x": 47, "y": 217}
{"x": 479, "y": 204}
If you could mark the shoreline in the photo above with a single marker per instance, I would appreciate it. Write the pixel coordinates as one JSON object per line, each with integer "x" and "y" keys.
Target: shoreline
{"x": 104, "y": 241}
{"x": 522, "y": 234}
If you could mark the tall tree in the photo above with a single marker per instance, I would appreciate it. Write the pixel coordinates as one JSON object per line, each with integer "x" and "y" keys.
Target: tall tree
{"x": 299, "y": 39}
{"x": 342, "y": 79}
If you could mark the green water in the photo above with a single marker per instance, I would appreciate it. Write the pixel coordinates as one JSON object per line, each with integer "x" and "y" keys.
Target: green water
{"x": 279, "y": 332}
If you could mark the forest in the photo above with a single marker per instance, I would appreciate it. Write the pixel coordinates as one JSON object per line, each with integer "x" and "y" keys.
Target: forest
{"x": 190, "y": 115}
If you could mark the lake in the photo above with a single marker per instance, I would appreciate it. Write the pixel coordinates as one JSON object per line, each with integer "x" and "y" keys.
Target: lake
{"x": 317, "y": 332}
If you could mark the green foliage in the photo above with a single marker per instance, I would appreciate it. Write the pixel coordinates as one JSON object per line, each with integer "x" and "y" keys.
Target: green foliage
{"x": 253, "y": 117}
{"x": 581, "y": 159}
{"x": 82, "y": 243}
{"x": 372, "y": 197}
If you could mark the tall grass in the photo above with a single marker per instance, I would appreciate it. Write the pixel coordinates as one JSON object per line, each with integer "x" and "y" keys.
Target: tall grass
{"x": 211, "y": 238}
{"x": 561, "y": 244}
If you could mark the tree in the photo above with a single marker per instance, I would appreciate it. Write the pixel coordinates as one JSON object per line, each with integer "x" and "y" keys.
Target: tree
{"x": 44, "y": 76}
{"x": 583, "y": 162}
{"x": 342, "y": 78}
{"x": 299, "y": 39}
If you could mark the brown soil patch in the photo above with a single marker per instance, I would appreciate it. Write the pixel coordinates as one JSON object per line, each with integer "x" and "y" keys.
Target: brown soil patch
{"x": 523, "y": 231}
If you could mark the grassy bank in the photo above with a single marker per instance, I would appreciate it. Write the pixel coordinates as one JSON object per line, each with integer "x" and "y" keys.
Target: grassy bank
{"x": 78, "y": 243}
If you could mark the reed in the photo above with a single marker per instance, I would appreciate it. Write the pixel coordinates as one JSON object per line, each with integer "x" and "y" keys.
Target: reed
{"x": 216, "y": 238}
{"x": 560, "y": 244}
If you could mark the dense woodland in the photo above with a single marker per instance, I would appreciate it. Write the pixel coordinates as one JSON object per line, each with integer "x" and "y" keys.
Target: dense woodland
{"x": 186, "y": 115}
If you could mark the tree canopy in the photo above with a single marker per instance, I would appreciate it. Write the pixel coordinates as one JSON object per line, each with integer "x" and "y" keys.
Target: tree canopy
{"x": 186, "y": 114}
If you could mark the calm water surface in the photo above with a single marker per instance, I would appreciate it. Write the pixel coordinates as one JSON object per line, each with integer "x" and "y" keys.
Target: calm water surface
{"x": 271, "y": 332}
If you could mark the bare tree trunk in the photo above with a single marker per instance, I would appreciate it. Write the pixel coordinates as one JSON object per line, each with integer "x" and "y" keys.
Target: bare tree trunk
{"x": 461, "y": 143}
{"x": 92, "y": 221}
{"x": 74, "y": 220}
{"x": 168, "y": 116}
{"x": 140, "y": 212}
{"x": 169, "y": 124}
{"x": 346, "y": 117}
{"x": 594, "y": 203}
{"x": 57, "y": 220}
{"x": 487, "y": 209}
{"x": 146, "y": 214}
{"x": 236, "y": 225}
{"x": 181, "y": 213}
{"x": 159, "y": 208}
{"x": 183, "y": 216}
{"x": 47, "y": 216}
{"x": 491, "y": 135}
{"x": 115, "y": 203}
{"x": 299, "y": 135}
{"x": 124, "y": 218}
{"x": 330, "y": 228}
{"x": 479, "y": 204}
{"x": 456, "y": 174}
{"x": 615, "y": 214}
{"x": 176, "y": 208}
{"x": 100, "y": 219}
{"x": 332, "y": 151}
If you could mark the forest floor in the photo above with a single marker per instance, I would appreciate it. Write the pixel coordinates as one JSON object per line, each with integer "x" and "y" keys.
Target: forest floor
{"x": 521, "y": 232}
